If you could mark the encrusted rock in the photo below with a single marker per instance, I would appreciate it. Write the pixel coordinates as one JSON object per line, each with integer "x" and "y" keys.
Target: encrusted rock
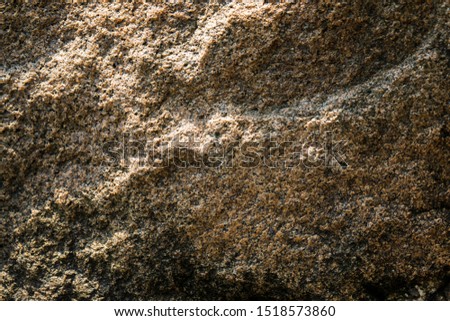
{"x": 225, "y": 151}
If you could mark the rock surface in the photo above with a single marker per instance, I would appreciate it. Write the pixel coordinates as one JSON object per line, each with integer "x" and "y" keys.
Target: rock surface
{"x": 225, "y": 151}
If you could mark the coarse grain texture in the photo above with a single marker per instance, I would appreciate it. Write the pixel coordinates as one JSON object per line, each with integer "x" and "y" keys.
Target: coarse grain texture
{"x": 369, "y": 78}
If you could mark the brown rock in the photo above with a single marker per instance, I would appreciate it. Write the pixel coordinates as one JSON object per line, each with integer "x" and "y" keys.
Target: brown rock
{"x": 225, "y": 151}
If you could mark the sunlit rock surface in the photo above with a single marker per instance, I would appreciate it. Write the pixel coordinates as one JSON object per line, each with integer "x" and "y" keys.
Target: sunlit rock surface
{"x": 225, "y": 151}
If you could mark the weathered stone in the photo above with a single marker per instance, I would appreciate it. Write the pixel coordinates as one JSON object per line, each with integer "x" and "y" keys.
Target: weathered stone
{"x": 225, "y": 151}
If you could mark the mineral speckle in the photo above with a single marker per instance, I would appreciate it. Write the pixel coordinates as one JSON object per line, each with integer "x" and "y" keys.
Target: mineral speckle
{"x": 225, "y": 151}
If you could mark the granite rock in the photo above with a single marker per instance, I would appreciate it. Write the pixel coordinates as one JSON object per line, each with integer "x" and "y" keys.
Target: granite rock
{"x": 228, "y": 151}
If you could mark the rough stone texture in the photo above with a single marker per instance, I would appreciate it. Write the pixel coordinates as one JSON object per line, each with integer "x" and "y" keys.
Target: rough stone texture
{"x": 367, "y": 77}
